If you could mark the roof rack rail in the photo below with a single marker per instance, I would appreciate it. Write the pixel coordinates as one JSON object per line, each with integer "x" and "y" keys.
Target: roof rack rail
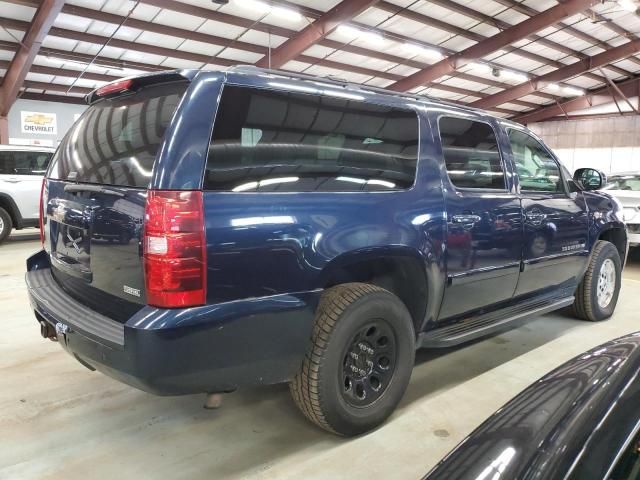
{"x": 345, "y": 84}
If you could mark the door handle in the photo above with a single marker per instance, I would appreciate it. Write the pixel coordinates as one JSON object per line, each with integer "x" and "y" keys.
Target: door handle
{"x": 466, "y": 219}
{"x": 11, "y": 180}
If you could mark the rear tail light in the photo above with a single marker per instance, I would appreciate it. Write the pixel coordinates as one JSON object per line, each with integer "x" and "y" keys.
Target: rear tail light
{"x": 43, "y": 199}
{"x": 174, "y": 249}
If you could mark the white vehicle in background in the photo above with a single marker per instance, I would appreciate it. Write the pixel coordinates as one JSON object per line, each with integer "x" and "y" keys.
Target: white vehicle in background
{"x": 21, "y": 173}
{"x": 625, "y": 187}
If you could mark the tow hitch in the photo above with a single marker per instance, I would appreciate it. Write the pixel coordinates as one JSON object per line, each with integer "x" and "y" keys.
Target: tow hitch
{"x": 47, "y": 331}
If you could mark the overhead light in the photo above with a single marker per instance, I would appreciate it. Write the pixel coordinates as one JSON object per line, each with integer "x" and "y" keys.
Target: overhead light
{"x": 266, "y": 8}
{"x": 553, "y": 86}
{"x": 420, "y": 50}
{"x": 480, "y": 67}
{"x": 628, "y": 5}
{"x": 515, "y": 76}
{"x": 356, "y": 33}
{"x": 286, "y": 13}
{"x": 573, "y": 91}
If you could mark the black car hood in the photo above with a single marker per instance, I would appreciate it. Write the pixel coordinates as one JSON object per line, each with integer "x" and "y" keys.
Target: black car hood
{"x": 548, "y": 430}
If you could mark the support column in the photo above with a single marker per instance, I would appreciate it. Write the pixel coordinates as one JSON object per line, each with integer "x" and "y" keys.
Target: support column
{"x": 4, "y": 131}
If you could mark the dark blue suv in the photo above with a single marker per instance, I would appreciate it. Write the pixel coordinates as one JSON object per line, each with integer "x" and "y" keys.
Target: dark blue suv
{"x": 205, "y": 231}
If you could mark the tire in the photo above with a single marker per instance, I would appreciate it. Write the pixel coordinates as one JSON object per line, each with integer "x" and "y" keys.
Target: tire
{"x": 337, "y": 390}
{"x": 6, "y": 225}
{"x": 587, "y": 305}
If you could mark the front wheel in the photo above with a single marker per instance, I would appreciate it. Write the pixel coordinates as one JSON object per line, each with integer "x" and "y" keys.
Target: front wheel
{"x": 597, "y": 294}
{"x": 359, "y": 361}
{"x": 5, "y": 224}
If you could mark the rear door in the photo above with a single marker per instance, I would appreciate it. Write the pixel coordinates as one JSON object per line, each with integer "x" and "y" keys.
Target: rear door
{"x": 21, "y": 173}
{"x": 555, "y": 220}
{"x": 484, "y": 237}
{"x": 95, "y": 199}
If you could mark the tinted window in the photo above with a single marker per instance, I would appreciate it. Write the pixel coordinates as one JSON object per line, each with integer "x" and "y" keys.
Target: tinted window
{"x": 471, "y": 153}
{"x": 24, "y": 163}
{"x": 266, "y": 141}
{"x": 538, "y": 171}
{"x": 116, "y": 140}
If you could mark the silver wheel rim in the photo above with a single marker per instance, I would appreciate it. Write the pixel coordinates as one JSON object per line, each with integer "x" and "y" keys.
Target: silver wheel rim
{"x": 606, "y": 283}
{"x": 1, "y": 225}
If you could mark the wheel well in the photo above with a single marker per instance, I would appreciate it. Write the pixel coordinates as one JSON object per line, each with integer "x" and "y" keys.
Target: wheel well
{"x": 8, "y": 206}
{"x": 618, "y": 237}
{"x": 402, "y": 276}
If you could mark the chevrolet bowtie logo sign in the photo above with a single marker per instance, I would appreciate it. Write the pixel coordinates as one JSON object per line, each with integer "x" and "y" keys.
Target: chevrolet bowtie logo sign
{"x": 39, "y": 119}
{"x": 38, "y": 123}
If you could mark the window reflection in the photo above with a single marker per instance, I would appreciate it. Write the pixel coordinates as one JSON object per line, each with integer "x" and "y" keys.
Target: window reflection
{"x": 265, "y": 141}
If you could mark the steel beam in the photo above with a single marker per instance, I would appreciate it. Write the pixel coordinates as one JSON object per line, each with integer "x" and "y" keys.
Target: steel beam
{"x": 491, "y": 44}
{"x": 560, "y": 75}
{"x": 310, "y": 35}
{"x": 23, "y": 59}
{"x": 594, "y": 98}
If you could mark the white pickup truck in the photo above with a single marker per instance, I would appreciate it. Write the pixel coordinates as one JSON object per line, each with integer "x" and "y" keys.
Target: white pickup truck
{"x": 21, "y": 173}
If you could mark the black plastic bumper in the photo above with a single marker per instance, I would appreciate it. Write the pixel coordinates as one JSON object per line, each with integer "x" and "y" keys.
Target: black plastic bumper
{"x": 213, "y": 348}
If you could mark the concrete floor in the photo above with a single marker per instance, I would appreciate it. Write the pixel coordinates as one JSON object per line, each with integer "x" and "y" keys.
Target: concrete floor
{"x": 58, "y": 420}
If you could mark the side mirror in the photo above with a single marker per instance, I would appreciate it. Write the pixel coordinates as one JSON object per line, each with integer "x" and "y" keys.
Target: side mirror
{"x": 589, "y": 178}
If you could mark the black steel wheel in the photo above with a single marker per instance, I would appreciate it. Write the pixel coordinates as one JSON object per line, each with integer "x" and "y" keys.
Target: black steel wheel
{"x": 359, "y": 360}
{"x": 369, "y": 364}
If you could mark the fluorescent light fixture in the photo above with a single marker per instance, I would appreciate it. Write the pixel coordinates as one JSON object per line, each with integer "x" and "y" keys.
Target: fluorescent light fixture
{"x": 286, "y": 13}
{"x": 257, "y": 5}
{"x": 628, "y": 5}
{"x": 553, "y": 86}
{"x": 515, "y": 76}
{"x": 356, "y": 33}
{"x": 480, "y": 67}
{"x": 573, "y": 91}
{"x": 423, "y": 51}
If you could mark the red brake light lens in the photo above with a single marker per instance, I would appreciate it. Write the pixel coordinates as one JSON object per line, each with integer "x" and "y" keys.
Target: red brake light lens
{"x": 114, "y": 87}
{"x": 175, "y": 249}
{"x": 43, "y": 199}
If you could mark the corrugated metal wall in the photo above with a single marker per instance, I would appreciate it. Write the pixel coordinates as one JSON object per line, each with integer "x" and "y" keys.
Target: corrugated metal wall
{"x": 609, "y": 144}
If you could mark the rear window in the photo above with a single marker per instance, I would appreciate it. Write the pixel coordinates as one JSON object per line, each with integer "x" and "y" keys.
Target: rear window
{"x": 24, "y": 163}
{"x": 115, "y": 142}
{"x": 266, "y": 141}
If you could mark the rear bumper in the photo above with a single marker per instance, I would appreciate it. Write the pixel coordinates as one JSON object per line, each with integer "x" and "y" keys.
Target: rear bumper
{"x": 214, "y": 348}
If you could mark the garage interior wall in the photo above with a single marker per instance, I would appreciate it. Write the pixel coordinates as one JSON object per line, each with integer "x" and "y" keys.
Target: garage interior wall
{"x": 64, "y": 116}
{"x": 608, "y": 144}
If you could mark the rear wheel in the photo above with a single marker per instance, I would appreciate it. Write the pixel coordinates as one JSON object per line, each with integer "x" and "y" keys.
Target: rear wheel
{"x": 6, "y": 225}
{"x": 597, "y": 294}
{"x": 359, "y": 361}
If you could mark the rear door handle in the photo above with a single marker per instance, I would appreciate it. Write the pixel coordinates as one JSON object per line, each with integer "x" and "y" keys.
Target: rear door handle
{"x": 467, "y": 219}
{"x": 11, "y": 180}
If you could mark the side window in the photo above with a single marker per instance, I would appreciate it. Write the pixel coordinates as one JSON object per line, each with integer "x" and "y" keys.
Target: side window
{"x": 471, "y": 154}
{"x": 537, "y": 170}
{"x": 24, "y": 163}
{"x": 266, "y": 141}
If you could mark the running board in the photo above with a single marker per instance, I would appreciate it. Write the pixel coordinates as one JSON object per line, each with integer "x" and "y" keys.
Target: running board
{"x": 488, "y": 323}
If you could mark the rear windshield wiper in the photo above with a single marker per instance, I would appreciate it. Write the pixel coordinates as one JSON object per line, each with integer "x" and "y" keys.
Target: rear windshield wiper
{"x": 92, "y": 188}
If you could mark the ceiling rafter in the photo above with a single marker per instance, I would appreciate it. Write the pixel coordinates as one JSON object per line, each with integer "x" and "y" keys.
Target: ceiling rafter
{"x": 596, "y": 42}
{"x": 193, "y": 10}
{"x": 310, "y": 35}
{"x": 560, "y": 75}
{"x": 36, "y": 31}
{"x": 593, "y": 98}
{"x": 490, "y": 45}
